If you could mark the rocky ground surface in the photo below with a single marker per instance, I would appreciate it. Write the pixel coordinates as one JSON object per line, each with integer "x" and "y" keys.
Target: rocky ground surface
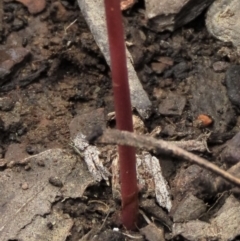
{"x": 55, "y": 83}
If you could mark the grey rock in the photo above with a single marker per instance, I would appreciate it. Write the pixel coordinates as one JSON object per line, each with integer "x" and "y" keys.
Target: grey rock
{"x": 226, "y": 222}
{"x": 169, "y": 130}
{"x": 29, "y": 210}
{"x": 150, "y": 206}
{"x": 153, "y": 233}
{"x": 179, "y": 70}
{"x": 173, "y": 105}
{"x": 55, "y": 181}
{"x": 222, "y": 185}
{"x": 3, "y": 73}
{"x": 231, "y": 153}
{"x": 223, "y": 21}
{"x": 12, "y": 119}
{"x": 169, "y": 15}
{"x": 230, "y": 202}
{"x": 195, "y": 180}
{"x": 10, "y": 59}
{"x": 233, "y": 84}
{"x": 17, "y": 24}
{"x": 55, "y": 226}
{"x": 194, "y": 230}
{"x": 14, "y": 152}
{"x": 87, "y": 123}
{"x": 189, "y": 208}
{"x": 209, "y": 97}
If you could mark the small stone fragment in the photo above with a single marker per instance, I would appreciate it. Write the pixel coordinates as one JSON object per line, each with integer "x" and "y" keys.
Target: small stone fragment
{"x": 168, "y": 130}
{"x": 158, "y": 68}
{"x": 6, "y": 104}
{"x": 165, "y": 60}
{"x": 3, "y": 162}
{"x": 34, "y": 6}
{"x": 230, "y": 202}
{"x": 173, "y": 105}
{"x": 25, "y": 186}
{"x": 231, "y": 153}
{"x": 55, "y": 181}
{"x": 27, "y": 167}
{"x": 179, "y": 70}
{"x": 220, "y": 66}
{"x": 233, "y": 84}
{"x": 15, "y": 152}
{"x": 194, "y": 230}
{"x": 151, "y": 207}
{"x": 58, "y": 12}
{"x": 17, "y": 24}
{"x": 50, "y": 225}
{"x": 194, "y": 180}
{"x": 9, "y": 58}
{"x": 226, "y": 223}
{"x": 4, "y": 73}
{"x": 169, "y": 15}
{"x": 190, "y": 208}
{"x": 223, "y": 22}
{"x": 153, "y": 233}
{"x": 87, "y": 123}
{"x": 41, "y": 163}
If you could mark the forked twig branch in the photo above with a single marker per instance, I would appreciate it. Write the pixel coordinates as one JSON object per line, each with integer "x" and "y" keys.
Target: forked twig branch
{"x": 163, "y": 147}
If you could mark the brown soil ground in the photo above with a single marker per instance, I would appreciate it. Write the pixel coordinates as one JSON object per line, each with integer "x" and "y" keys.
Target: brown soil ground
{"x": 64, "y": 75}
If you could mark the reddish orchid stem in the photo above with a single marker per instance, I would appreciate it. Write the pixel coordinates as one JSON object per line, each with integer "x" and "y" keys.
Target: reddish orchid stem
{"x": 122, "y": 102}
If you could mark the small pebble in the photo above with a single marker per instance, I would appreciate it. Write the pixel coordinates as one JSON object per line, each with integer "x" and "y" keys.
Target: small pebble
{"x": 158, "y": 68}
{"x": 233, "y": 84}
{"x": 11, "y": 164}
{"x": 3, "y": 162}
{"x": 30, "y": 150}
{"x": 27, "y": 167}
{"x": 50, "y": 225}
{"x": 17, "y": 24}
{"x": 41, "y": 163}
{"x": 55, "y": 181}
{"x": 25, "y": 186}
{"x": 165, "y": 60}
{"x": 179, "y": 70}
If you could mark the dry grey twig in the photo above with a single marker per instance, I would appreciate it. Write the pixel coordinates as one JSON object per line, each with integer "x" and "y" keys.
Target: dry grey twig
{"x": 163, "y": 147}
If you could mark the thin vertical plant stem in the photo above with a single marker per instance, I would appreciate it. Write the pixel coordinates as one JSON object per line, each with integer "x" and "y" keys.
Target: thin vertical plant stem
{"x": 122, "y": 102}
